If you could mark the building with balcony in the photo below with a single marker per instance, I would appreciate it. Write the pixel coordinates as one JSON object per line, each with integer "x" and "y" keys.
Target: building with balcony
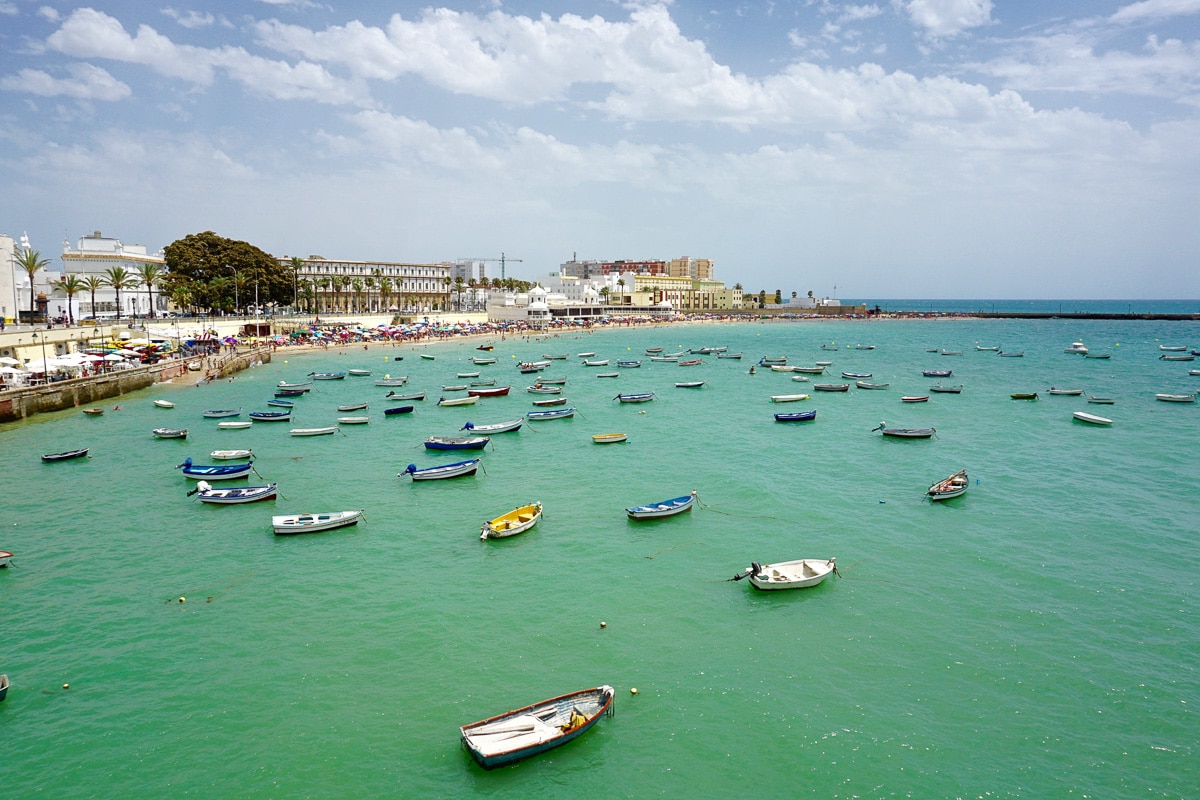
{"x": 96, "y": 256}
{"x": 328, "y": 285}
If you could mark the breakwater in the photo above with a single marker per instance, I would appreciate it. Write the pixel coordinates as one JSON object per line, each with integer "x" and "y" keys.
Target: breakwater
{"x": 21, "y": 403}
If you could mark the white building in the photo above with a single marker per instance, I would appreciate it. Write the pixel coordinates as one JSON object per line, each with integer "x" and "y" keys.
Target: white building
{"x": 95, "y": 256}
{"x": 14, "y": 284}
{"x": 8, "y": 279}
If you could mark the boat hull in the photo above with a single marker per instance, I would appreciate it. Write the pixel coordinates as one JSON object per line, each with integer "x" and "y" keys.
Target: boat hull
{"x": 66, "y": 455}
{"x": 524, "y": 732}
{"x": 666, "y": 508}
{"x": 292, "y": 524}
{"x": 516, "y": 521}
{"x": 802, "y": 573}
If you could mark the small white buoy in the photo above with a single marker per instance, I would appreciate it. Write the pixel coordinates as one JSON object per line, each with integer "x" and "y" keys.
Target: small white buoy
{"x": 66, "y": 686}
{"x": 183, "y": 599}
{"x": 603, "y": 624}
{"x": 633, "y": 690}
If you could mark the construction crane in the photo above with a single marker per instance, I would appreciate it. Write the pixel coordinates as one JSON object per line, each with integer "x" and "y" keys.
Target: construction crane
{"x": 502, "y": 259}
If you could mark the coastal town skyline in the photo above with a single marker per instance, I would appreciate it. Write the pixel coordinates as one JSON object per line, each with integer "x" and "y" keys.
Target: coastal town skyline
{"x": 912, "y": 148}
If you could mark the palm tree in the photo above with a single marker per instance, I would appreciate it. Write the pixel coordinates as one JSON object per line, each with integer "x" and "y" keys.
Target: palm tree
{"x": 31, "y": 261}
{"x": 92, "y": 283}
{"x": 339, "y": 282}
{"x": 323, "y": 284}
{"x": 357, "y": 285}
{"x": 70, "y": 285}
{"x": 604, "y": 294}
{"x": 446, "y": 282}
{"x": 458, "y": 287}
{"x": 297, "y": 264}
{"x": 149, "y": 275}
{"x": 120, "y": 278}
{"x": 369, "y": 282}
{"x": 385, "y": 293}
{"x": 182, "y": 296}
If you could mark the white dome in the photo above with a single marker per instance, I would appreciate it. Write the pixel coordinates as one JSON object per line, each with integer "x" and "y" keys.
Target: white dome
{"x": 665, "y": 304}
{"x": 538, "y": 305}
{"x": 537, "y": 291}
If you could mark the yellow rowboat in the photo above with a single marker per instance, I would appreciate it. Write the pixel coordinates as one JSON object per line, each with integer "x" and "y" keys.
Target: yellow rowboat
{"x": 516, "y": 521}
{"x": 609, "y": 438}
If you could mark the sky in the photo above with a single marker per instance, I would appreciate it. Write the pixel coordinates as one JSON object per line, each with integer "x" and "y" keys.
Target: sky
{"x": 889, "y": 149}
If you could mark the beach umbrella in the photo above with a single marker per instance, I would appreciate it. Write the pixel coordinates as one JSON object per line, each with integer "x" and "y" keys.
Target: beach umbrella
{"x": 8, "y": 360}
{"x": 7, "y": 370}
{"x": 114, "y": 357}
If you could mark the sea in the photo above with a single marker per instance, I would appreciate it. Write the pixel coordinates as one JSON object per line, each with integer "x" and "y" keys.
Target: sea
{"x": 1034, "y": 638}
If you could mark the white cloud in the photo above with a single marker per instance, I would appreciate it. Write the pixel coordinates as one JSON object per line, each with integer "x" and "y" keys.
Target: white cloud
{"x": 1155, "y": 9}
{"x": 86, "y": 82}
{"x": 8, "y": 9}
{"x": 93, "y": 34}
{"x": 852, "y": 13}
{"x": 946, "y": 18}
{"x": 48, "y": 13}
{"x": 1070, "y": 62}
{"x": 190, "y": 18}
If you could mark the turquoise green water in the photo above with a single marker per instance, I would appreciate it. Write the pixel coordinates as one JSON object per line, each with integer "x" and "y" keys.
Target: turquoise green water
{"x": 1034, "y": 638}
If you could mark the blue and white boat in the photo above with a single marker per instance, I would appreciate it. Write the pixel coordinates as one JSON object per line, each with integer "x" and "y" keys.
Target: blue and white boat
{"x": 270, "y": 416}
{"x": 327, "y": 376}
{"x": 664, "y": 508}
{"x": 635, "y": 397}
{"x": 456, "y": 442}
{"x": 394, "y": 410}
{"x": 556, "y": 413}
{"x": 442, "y": 472}
{"x": 222, "y": 413}
{"x": 278, "y": 403}
{"x": 536, "y": 728}
{"x": 216, "y": 472}
{"x": 629, "y": 364}
{"x": 798, "y": 416}
{"x": 498, "y": 427}
{"x": 242, "y": 494}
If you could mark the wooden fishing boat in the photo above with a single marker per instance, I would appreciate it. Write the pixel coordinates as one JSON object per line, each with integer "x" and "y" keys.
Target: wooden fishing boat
{"x": 352, "y": 407}
{"x": 993, "y": 348}
{"x": 290, "y": 392}
{"x": 1024, "y": 396}
{"x": 831, "y": 387}
{"x": 1101, "y": 355}
{"x": 66, "y": 455}
{"x": 497, "y": 427}
{"x": 94, "y": 412}
{"x": 857, "y": 375}
{"x": 1066, "y": 392}
{"x": 482, "y": 361}
{"x": 819, "y": 370}
{"x": 1194, "y": 372}
{"x": 585, "y": 355}
{"x": 829, "y": 347}
{"x": 325, "y": 431}
{"x": 947, "y": 389}
{"x": 953, "y": 486}
{"x": 664, "y": 508}
{"x": 353, "y": 420}
{"x": 629, "y": 364}
{"x": 869, "y": 385}
{"x": 457, "y": 401}
{"x": 1173, "y": 348}
{"x": 270, "y": 416}
{"x": 488, "y": 382}
{"x": 554, "y": 413}
{"x": 1101, "y": 401}
{"x": 406, "y": 396}
{"x": 536, "y": 728}
{"x": 672, "y": 357}
{"x": 797, "y": 416}
{"x": 385, "y": 381}
{"x": 1013, "y": 354}
{"x": 242, "y": 494}
{"x": 688, "y": 384}
{"x": 222, "y": 413}
{"x": 327, "y": 376}
{"x": 602, "y": 362}
{"x": 487, "y": 348}
{"x": 799, "y": 574}
{"x": 1091, "y": 419}
{"x": 456, "y": 470}
{"x": 456, "y": 442}
{"x": 231, "y": 455}
{"x": 164, "y": 404}
{"x": 556, "y": 356}
{"x": 1176, "y": 398}
{"x": 537, "y": 389}
{"x": 608, "y": 375}
{"x": 637, "y": 397}
{"x": 905, "y": 433}
{"x": 4, "y": 678}
{"x": 653, "y": 351}
{"x": 6, "y": 558}
{"x": 214, "y": 473}
{"x": 1177, "y": 357}
{"x": 232, "y": 426}
{"x": 358, "y": 373}
{"x": 544, "y": 381}
{"x": 516, "y": 521}
{"x": 551, "y": 401}
{"x": 397, "y": 410}
{"x": 609, "y": 438}
{"x": 729, "y": 355}
{"x": 454, "y": 387}
{"x": 801, "y": 378}
{"x": 300, "y": 387}
{"x": 937, "y": 373}
{"x": 788, "y": 398}
{"x": 782, "y": 368}
{"x": 289, "y": 524}
{"x": 498, "y": 391}
{"x": 773, "y": 360}
{"x": 170, "y": 433}
{"x": 278, "y": 403}
{"x": 951, "y": 352}
{"x": 466, "y": 375}
{"x": 427, "y": 357}
{"x": 691, "y": 362}
{"x": 915, "y": 398}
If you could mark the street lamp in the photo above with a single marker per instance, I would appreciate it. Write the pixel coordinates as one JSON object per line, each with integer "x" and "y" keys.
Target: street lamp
{"x": 45, "y": 367}
{"x": 236, "y": 305}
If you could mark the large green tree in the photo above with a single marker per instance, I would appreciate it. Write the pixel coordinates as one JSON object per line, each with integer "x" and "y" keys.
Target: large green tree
{"x": 198, "y": 259}
{"x": 31, "y": 261}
